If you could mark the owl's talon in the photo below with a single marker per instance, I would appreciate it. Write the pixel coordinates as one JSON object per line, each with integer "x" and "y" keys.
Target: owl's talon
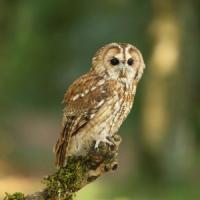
{"x": 117, "y": 138}
{"x": 111, "y": 139}
{"x": 104, "y": 140}
{"x": 97, "y": 144}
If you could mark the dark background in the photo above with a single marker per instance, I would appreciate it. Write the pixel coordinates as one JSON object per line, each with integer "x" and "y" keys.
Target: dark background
{"x": 45, "y": 45}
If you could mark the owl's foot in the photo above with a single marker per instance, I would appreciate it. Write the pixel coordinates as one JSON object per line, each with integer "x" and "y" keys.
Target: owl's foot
{"x": 106, "y": 140}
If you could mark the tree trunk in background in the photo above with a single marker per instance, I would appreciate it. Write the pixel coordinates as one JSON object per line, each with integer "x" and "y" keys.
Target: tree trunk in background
{"x": 162, "y": 68}
{"x": 171, "y": 93}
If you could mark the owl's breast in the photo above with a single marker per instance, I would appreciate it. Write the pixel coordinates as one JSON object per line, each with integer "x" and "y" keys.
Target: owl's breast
{"x": 123, "y": 107}
{"x": 106, "y": 120}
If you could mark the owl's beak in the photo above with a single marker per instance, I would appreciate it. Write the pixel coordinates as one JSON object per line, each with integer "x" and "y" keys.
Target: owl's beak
{"x": 123, "y": 72}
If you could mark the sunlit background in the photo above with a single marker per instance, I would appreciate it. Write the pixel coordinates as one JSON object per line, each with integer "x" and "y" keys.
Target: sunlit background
{"x": 45, "y": 45}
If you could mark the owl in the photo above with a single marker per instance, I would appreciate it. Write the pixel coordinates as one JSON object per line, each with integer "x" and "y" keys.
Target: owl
{"x": 97, "y": 103}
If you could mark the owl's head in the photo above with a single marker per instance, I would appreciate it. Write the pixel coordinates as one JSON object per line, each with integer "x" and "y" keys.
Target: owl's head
{"x": 119, "y": 61}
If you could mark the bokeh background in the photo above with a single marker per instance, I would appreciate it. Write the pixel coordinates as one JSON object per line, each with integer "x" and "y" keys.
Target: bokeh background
{"x": 45, "y": 45}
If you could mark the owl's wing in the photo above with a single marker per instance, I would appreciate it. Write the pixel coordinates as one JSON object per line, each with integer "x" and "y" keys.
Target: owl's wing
{"x": 71, "y": 125}
{"x": 63, "y": 141}
{"x": 83, "y": 99}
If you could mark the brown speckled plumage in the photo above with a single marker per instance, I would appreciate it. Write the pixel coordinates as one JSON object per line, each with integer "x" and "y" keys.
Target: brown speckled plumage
{"x": 98, "y": 102}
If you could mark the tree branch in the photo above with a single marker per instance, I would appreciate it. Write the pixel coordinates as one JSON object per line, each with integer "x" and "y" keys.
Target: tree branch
{"x": 78, "y": 172}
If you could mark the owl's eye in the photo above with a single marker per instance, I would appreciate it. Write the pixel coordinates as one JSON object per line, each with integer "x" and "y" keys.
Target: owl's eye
{"x": 130, "y": 61}
{"x": 114, "y": 61}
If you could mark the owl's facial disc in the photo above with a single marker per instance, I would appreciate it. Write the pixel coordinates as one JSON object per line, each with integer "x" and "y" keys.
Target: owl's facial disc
{"x": 119, "y": 61}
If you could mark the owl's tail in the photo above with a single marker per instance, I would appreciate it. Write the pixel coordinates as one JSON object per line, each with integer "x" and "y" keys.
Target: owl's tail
{"x": 61, "y": 146}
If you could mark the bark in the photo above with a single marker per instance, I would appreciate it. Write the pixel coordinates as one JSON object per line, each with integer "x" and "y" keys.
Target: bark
{"x": 78, "y": 172}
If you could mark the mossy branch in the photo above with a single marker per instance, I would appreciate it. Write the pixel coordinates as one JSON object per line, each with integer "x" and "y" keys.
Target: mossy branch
{"x": 79, "y": 171}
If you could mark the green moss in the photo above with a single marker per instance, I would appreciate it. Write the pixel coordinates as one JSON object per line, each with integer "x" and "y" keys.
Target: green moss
{"x": 69, "y": 179}
{"x": 14, "y": 196}
{"x": 66, "y": 180}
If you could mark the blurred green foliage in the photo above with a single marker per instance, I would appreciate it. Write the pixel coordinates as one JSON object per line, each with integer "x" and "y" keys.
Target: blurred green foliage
{"x": 45, "y": 45}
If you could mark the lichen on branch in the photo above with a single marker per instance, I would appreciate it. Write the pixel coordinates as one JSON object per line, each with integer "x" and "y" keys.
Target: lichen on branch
{"x": 78, "y": 172}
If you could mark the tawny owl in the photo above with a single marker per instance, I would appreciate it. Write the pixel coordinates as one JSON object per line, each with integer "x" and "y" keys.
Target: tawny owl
{"x": 98, "y": 102}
